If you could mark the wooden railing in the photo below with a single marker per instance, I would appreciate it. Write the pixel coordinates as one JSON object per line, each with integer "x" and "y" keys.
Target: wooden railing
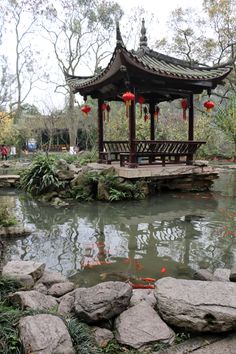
{"x": 150, "y": 151}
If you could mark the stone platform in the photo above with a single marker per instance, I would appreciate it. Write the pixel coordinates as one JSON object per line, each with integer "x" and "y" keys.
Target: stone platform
{"x": 8, "y": 180}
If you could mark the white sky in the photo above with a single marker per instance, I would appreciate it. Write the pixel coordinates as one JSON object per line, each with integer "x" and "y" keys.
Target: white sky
{"x": 159, "y": 8}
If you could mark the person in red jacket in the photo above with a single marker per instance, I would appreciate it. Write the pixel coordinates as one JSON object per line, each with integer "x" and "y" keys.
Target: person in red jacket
{"x": 4, "y": 152}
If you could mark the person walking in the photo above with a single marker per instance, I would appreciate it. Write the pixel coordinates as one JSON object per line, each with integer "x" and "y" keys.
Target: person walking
{"x": 4, "y": 152}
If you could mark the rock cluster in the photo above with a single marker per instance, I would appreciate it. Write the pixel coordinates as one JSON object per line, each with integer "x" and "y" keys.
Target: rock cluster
{"x": 136, "y": 318}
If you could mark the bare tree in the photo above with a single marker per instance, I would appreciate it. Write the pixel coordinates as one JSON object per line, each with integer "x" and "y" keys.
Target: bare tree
{"x": 78, "y": 31}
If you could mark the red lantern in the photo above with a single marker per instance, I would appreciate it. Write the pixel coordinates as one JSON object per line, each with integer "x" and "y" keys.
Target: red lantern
{"x": 85, "y": 109}
{"x": 141, "y": 101}
{"x": 184, "y": 105}
{"x": 108, "y": 108}
{"x": 209, "y": 105}
{"x": 156, "y": 113}
{"x": 104, "y": 106}
{"x": 146, "y": 117}
{"x": 128, "y": 97}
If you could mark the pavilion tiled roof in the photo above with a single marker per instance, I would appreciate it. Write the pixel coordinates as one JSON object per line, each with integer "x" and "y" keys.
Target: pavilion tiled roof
{"x": 151, "y": 62}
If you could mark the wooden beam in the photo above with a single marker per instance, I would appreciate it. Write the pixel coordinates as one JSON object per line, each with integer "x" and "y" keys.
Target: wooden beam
{"x": 100, "y": 129}
{"x": 132, "y": 136}
{"x": 152, "y": 121}
{"x": 191, "y": 119}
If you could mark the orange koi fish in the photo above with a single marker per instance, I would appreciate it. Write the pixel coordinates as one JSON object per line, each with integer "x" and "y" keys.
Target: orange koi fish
{"x": 143, "y": 286}
{"x": 149, "y": 280}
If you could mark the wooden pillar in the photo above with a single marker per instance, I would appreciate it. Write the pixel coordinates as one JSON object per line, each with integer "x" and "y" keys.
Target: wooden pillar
{"x": 190, "y": 127}
{"x": 132, "y": 136}
{"x": 191, "y": 119}
{"x": 100, "y": 130}
{"x": 152, "y": 121}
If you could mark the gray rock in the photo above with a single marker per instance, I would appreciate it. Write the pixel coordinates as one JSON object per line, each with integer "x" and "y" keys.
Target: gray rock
{"x": 140, "y": 295}
{"x": 32, "y": 299}
{"x": 14, "y": 231}
{"x": 45, "y": 334}
{"x": 61, "y": 289}
{"x": 35, "y": 269}
{"x": 203, "y": 274}
{"x": 49, "y": 278}
{"x": 141, "y": 326}
{"x": 232, "y": 276}
{"x": 224, "y": 346}
{"x": 221, "y": 274}
{"x": 65, "y": 175}
{"x": 195, "y": 305}
{"x": 66, "y": 305}
{"x": 25, "y": 280}
{"x": 102, "y": 336}
{"x": 41, "y": 288}
{"x": 102, "y": 301}
{"x": 191, "y": 345}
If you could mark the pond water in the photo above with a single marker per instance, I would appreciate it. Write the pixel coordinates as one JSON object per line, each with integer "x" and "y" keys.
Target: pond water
{"x": 169, "y": 234}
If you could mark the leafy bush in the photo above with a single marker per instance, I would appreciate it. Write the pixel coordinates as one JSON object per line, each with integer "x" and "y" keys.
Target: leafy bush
{"x": 40, "y": 177}
{"x": 113, "y": 189}
{"x": 6, "y": 219}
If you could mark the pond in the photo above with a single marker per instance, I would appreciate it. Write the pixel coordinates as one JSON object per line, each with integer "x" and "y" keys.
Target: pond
{"x": 169, "y": 234}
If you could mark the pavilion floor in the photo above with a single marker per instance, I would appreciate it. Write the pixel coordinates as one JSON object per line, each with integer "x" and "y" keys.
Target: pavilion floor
{"x": 160, "y": 172}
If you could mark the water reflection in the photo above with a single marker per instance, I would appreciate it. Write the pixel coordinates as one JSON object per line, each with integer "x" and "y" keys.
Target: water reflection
{"x": 93, "y": 242}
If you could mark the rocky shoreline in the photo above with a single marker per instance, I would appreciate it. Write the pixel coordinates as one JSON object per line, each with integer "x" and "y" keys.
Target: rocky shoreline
{"x": 139, "y": 319}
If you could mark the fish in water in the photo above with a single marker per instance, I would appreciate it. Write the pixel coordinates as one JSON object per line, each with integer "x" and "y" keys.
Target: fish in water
{"x": 143, "y": 286}
{"x": 123, "y": 276}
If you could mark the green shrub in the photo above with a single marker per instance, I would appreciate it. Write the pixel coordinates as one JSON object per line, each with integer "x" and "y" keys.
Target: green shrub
{"x": 6, "y": 219}
{"x": 40, "y": 177}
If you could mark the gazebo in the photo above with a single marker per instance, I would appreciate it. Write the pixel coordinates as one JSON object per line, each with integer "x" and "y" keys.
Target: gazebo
{"x": 146, "y": 76}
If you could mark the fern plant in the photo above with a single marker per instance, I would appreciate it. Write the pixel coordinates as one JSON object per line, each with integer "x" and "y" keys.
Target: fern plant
{"x": 40, "y": 177}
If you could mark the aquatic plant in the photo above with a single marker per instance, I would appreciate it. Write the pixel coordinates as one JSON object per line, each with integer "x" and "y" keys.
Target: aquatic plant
{"x": 41, "y": 176}
{"x": 82, "y": 338}
{"x": 9, "y": 317}
{"x": 6, "y": 219}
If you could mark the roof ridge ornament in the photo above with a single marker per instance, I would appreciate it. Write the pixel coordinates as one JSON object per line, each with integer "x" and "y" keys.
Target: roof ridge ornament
{"x": 143, "y": 38}
{"x": 119, "y": 40}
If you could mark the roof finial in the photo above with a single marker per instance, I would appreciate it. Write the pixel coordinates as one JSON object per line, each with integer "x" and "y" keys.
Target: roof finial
{"x": 143, "y": 38}
{"x": 119, "y": 40}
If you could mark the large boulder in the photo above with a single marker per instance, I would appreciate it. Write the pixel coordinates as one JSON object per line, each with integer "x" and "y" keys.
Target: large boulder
{"x": 102, "y": 301}
{"x": 141, "y": 326}
{"x": 45, "y": 334}
{"x": 102, "y": 336}
{"x": 199, "y": 306}
{"x": 35, "y": 269}
{"x": 66, "y": 305}
{"x": 140, "y": 295}
{"x": 61, "y": 289}
{"x": 49, "y": 278}
{"x": 33, "y": 300}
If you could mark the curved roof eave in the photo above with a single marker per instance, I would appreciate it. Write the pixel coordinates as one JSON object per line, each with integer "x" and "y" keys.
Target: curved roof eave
{"x": 151, "y": 64}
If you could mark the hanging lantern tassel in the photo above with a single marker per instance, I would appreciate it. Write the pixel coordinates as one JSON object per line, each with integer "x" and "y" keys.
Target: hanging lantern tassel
{"x": 184, "y": 105}
{"x": 104, "y": 107}
{"x": 85, "y": 109}
{"x": 127, "y": 98}
{"x": 108, "y": 108}
{"x": 156, "y": 113}
{"x": 209, "y": 105}
{"x": 145, "y": 110}
{"x": 141, "y": 101}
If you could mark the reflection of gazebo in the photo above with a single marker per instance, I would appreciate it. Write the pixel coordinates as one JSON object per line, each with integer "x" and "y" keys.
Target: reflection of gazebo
{"x": 156, "y": 78}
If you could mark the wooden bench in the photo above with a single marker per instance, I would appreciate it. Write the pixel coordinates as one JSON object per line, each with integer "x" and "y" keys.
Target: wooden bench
{"x": 112, "y": 150}
{"x": 152, "y": 152}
